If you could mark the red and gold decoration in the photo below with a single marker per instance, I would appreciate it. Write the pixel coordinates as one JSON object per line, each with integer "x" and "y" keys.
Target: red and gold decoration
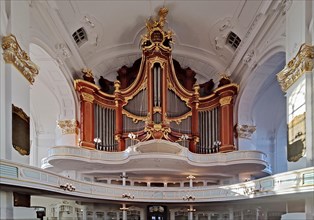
{"x": 157, "y": 99}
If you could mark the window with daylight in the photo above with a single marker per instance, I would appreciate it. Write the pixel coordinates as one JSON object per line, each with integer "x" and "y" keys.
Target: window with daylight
{"x": 296, "y": 123}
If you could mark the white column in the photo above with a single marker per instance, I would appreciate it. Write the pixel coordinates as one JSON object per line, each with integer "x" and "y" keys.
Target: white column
{"x": 309, "y": 207}
{"x": 172, "y": 214}
{"x": 309, "y": 117}
{"x": 124, "y": 212}
{"x": 5, "y": 90}
{"x": 299, "y": 30}
{"x": 231, "y": 217}
{"x": 190, "y": 213}
{"x": 6, "y": 205}
{"x": 196, "y": 216}
{"x": 142, "y": 213}
{"x": 123, "y": 178}
{"x": 209, "y": 217}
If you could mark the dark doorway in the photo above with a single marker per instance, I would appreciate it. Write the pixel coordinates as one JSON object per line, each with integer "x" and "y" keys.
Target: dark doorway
{"x": 157, "y": 212}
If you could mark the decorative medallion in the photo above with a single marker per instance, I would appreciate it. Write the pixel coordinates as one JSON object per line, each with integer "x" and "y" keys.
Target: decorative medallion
{"x": 156, "y": 37}
{"x": 301, "y": 63}
{"x": 12, "y": 53}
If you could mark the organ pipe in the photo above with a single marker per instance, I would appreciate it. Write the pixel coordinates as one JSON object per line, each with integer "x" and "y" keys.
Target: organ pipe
{"x": 209, "y": 130}
{"x": 105, "y": 128}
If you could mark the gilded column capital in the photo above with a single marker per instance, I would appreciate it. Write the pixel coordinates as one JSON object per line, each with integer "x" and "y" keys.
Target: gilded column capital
{"x": 12, "y": 53}
{"x": 301, "y": 63}
{"x": 88, "y": 97}
{"x": 68, "y": 126}
{"x": 225, "y": 100}
{"x": 245, "y": 131}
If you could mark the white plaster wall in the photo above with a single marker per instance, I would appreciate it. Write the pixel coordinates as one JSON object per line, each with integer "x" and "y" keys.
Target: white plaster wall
{"x": 295, "y": 28}
{"x": 20, "y": 22}
{"x": 23, "y": 213}
{"x": 280, "y": 150}
{"x": 269, "y": 114}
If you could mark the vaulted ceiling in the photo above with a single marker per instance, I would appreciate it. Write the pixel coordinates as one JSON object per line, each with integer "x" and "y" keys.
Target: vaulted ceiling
{"x": 114, "y": 28}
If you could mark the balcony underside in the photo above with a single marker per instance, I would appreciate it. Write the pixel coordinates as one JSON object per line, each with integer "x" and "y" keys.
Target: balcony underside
{"x": 156, "y": 158}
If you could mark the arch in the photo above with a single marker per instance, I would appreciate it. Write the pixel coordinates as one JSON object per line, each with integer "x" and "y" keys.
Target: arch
{"x": 273, "y": 61}
{"x": 262, "y": 104}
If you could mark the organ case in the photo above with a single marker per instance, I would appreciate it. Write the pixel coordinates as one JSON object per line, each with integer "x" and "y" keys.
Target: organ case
{"x": 149, "y": 102}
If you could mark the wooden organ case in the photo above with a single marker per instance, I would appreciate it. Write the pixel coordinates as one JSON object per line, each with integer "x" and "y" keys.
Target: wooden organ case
{"x": 154, "y": 104}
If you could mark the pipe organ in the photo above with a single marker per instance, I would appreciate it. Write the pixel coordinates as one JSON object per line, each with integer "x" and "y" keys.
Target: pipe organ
{"x": 155, "y": 99}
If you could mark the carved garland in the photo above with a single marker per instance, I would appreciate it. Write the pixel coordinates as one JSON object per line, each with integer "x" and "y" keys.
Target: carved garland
{"x": 245, "y": 131}
{"x": 301, "y": 63}
{"x": 12, "y": 53}
{"x": 68, "y": 126}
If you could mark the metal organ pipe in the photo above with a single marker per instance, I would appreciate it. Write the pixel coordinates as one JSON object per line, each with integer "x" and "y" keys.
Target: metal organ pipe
{"x": 209, "y": 131}
{"x": 104, "y": 125}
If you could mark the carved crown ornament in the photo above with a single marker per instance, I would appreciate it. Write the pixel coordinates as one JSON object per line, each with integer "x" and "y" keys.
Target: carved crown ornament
{"x": 156, "y": 37}
{"x": 68, "y": 126}
{"x": 301, "y": 63}
{"x": 12, "y": 53}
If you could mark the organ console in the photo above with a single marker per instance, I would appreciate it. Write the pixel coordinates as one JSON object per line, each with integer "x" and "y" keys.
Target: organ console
{"x": 157, "y": 99}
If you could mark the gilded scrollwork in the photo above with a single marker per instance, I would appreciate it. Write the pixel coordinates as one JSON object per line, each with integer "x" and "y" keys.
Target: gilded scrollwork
{"x": 135, "y": 118}
{"x": 12, "y": 53}
{"x": 179, "y": 119}
{"x": 301, "y": 63}
{"x": 68, "y": 126}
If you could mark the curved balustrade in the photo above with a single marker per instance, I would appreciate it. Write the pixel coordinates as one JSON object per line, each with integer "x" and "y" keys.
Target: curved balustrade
{"x": 298, "y": 181}
{"x": 155, "y": 149}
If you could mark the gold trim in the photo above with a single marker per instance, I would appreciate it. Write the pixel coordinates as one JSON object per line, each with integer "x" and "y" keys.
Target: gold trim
{"x": 21, "y": 151}
{"x": 68, "y": 126}
{"x": 179, "y": 119}
{"x": 12, "y": 53}
{"x": 226, "y": 86}
{"x": 301, "y": 63}
{"x": 88, "y": 85}
{"x": 225, "y": 100}
{"x": 88, "y": 97}
{"x": 135, "y": 118}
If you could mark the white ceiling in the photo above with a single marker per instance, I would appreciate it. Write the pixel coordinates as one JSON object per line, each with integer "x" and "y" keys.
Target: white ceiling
{"x": 114, "y": 29}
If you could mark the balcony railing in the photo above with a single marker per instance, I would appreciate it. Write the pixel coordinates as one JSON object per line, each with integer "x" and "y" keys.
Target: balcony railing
{"x": 21, "y": 175}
